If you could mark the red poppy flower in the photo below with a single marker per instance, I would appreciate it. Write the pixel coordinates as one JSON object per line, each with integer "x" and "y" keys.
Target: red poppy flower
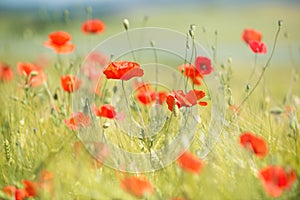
{"x": 187, "y": 100}
{"x": 254, "y": 144}
{"x": 70, "y": 83}
{"x": 137, "y": 187}
{"x": 30, "y": 188}
{"x": 93, "y": 26}
{"x": 145, "y": 94}
{"x": 97, "y": 58}
{"x": 78, "y": 147}
{"x": 162, "y": 96}
{"x": 35, "y": 74}
{"x": 146, "y": 97}
{"x": 6, "y": 73}
{"x": 59, "y": 41}
{"x": 77, "y": 120}
{"x": 191, "y": 163}
{"x": 123, "y": 70}
{"x": 251, "y": 34}
{"x": 105, "y": 110}
{"x": 94, "y": 65}
{"x": 101, "y": 152}
{"x": 45, "y": 181}
{"x": 203, "y": 65}
{"x": 20, "y": 194}
{"x": 275, "y": 179}
{"x": 12, "y": 191}
{"x": 9, "y": 190}
{"x": 190, "y": 71}
{"x": 258, "y": 47}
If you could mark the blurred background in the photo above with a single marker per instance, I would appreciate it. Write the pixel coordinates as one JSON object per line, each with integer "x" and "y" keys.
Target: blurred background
{"x": 24, "y": 25}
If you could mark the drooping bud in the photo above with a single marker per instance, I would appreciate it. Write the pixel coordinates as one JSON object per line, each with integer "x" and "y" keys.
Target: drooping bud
{"x": 106, "y": 125}
{"x": 280, "y": 22}
{"x": 126, "y": 24}
{"x": 152, "y": 43}
{"x": 193, "y": 27}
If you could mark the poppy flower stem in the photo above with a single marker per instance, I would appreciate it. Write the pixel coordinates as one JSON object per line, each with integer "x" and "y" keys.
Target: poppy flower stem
{"x": 50, "y": 96}
{"x": 254, "y": 68}
{"x": 130, "y": 45}
{"x": 185, "y": 61}
{"x": 126, "y": 99}
{"x": 264, "y": 67}
{"x": 156, "y": 65}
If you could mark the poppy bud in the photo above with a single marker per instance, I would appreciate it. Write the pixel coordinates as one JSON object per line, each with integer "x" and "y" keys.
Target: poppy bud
{"x": 193, "y": 27}
{"x": 191, "y": 33}
{"x": 152, "y": 43}
{"x": 126, "y": 24}
{"x": 106, "y": 125}
{"x": 280, "y": 23}
{"x": 229, "y": 60}
{"x": 34, "y": 73}
{"x": 89, "y": 10}
{"x": 248, "y": 87}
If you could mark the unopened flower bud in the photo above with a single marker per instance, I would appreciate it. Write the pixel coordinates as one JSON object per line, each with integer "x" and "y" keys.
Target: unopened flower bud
{"x": 229, "y": 60}
{"x": 126, "y": 24}
{"x": 106, "y": 125}
{"x": 34, "y": 73}
{"x": 152, "y": 43}
{"x": 193, "y": 27}
{"x": 191, "y": 33}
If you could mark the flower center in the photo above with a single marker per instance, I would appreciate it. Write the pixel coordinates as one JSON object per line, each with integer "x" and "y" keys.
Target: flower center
{"x": 203, "y": 67}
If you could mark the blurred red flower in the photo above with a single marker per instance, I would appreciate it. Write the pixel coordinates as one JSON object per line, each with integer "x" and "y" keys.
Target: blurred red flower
{"x": 145, "y": 94}
{"x": 138, "y": 187}
{"x": 180, "y": 99}
{"x": 93, "y": 26}
{"x": 101, "y": 152}
{"x": 254, "y": 144}
{"x": 203, "y": 65}
{"x": 258, "y": 47}
{"x": 251, "y": 35}
{"x": 6, "y": 73}
{"x": 70, "y": 83}
{"x": 31, "y": 188}
{"x": 275, "y": 179}
{"x": 77, "y": 120}
{"x": 123, "y": 70}
{"x": 106, "y": 110}
{"x": 59, "y": 41}
{"x": 162, "y": 96}
{"x": 35, "y": 74}
{"x": 190, "y": 71}
{"x": 15, "y": 193}
{"x": 191, "y": 163}
{"x": 45, "y": 181}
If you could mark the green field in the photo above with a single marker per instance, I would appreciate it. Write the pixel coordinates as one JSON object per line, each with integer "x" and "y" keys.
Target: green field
{"x": 34, "y": 137}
